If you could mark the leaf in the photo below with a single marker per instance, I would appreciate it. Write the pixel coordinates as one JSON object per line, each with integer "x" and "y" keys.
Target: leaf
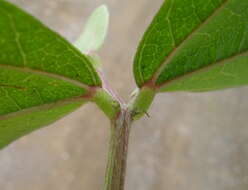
{"x": 42, "y": 76}
{"x": 19, "y": 124}
{"x": 95, "y": 31}
{"x": 195, "y": 45}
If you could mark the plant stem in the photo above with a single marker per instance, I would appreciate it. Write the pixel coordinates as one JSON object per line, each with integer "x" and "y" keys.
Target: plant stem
{"x": 118, "y": 147}
{"x": 141, "y": 102}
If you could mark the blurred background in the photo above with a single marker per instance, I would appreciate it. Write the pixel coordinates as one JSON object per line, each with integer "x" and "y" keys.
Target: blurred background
{"x": 190, "y": 141}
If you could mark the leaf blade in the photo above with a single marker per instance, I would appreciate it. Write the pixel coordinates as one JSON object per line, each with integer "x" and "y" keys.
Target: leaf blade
{"x": 165, "y": 33}
{"x": 15, "y": 126}
{"x": 18, "y": 48}
{"x": 42, "y": 76}
{"x": 95, "y": 31}
{"x": 223, "y": 37}
{"x": 174, "y": 66}
{"x": 224, "y": 74}
{"x": 21, "y": 90}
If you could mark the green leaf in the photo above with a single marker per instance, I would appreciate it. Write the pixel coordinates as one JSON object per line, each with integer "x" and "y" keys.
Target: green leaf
{"x": 42, "y": 76}
{"x": 95, "y": 31}
{"x": 195, "y": 45}
{"x": 21, "y": 123}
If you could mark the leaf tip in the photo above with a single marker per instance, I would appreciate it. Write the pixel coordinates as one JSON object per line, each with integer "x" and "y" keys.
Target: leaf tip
{"x": 95, "y": 30}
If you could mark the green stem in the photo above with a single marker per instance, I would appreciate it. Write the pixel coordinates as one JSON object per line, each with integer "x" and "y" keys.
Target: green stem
{"x": 121, "y": 119}
{"x": 107, "y": 103}
{"x": 118, "y": 147}
{"x": 141, "y": 102}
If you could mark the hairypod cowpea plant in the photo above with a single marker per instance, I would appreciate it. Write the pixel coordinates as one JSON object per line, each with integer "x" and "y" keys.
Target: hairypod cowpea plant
{"x": 190, "y": 45}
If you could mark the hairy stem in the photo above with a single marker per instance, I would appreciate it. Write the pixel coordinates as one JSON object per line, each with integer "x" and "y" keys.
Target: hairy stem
{"x": 141, "y": 102}
{"x": 121, "y": 119}
{"x": 118, "y": 147}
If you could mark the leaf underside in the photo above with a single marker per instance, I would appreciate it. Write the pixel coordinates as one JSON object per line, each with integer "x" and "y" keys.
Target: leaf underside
{"x": 95, "y": 31}
{"x": 42, "y": 76}
{"x": 195, "y": 45}
{"x": 15, "y": 125}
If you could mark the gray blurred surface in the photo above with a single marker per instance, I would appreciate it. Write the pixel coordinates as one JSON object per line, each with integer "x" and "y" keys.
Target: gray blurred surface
{"x": 190, "y": 142}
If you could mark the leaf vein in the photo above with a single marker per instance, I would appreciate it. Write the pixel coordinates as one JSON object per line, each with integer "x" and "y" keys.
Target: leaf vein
{"x": 41, "y": 107}
{"x": 17, "y": 38}
{"x": 44, "y": 73}
{"x": 219, "y": 62}
{"x": 176, "y": 49}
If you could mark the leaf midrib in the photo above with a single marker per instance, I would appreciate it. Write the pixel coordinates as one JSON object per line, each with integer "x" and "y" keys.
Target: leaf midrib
{"x": 186, "y": 39}
{"x": 42, "y": 107}
{"x": 207, "y": 67}
{"x": 44, "y": 73}
{"x": 70, "y": 48}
